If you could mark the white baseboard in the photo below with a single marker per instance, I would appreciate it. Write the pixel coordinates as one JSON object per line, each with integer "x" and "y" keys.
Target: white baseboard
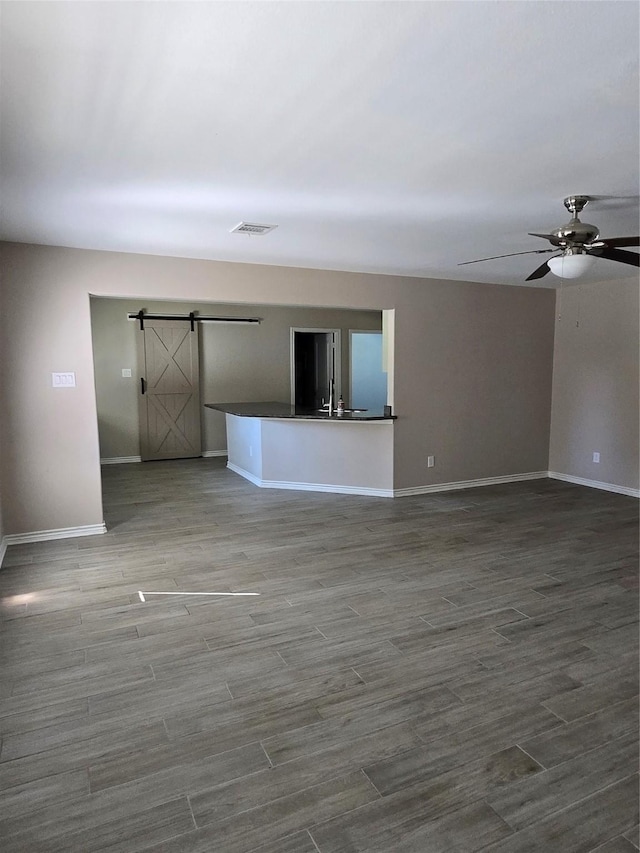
{"x": 324, "y": 487}
{"x": 434, "y": 489}
{"x": 244, "y": 473}
{"x": 470, "y": 484}
{"x": 96, "y": 529}
{"x": 60, "y": 533}
{"x": 309, "y": 487}
{"x": 595, "y": 484}
{"x": 122, "y": 460}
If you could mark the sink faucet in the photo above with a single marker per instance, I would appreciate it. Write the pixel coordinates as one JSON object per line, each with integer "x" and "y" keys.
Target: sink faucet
{"x": 330, "y": 397}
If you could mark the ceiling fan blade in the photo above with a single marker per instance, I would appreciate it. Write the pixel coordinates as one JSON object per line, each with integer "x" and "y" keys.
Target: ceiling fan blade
{"x": 631, "y": 258}
{"x": 544, "y": 236}
{"x": 542, "y": 270}
{"x": 620, "y": 241}
{"x": 610, "y": 202}
{"x": 510, "y": 255}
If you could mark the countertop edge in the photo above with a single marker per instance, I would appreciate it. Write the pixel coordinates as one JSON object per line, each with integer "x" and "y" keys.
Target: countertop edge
{"x": 274, "y": 410}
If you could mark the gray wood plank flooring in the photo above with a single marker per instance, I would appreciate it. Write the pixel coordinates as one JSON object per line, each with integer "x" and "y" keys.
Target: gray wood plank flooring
{"x": 452, "y": 672}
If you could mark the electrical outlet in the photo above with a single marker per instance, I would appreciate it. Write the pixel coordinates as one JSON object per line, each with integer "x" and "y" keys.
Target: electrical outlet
{"x": 596, "y": 457}
{"x": 63, "y": 380}
{"x": 431, "y": 461}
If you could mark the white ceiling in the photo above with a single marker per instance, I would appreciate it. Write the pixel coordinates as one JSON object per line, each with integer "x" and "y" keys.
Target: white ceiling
{"x": 397, "y": 137}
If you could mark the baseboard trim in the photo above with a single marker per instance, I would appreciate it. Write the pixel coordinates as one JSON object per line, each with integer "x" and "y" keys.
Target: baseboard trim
{"x": 595, "y": 484}
{"x": 324, "y": 487}
{"x": 470, "y": 484}
{"x": 123, "y": 460}
{"x": 244, "y": 473}
{"x": 60, "y": 533}
{"x": 97, "y": 529}
{"x": 309, "y": 487}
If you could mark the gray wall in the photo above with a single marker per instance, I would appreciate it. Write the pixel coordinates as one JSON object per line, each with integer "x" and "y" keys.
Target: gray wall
{"x": 238, "y": 363}
{"x": 473, "y": 367}
{"x": 595, "y": 383}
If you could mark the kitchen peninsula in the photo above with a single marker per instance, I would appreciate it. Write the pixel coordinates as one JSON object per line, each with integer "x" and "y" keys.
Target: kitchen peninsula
{"x": 279, "y": 446}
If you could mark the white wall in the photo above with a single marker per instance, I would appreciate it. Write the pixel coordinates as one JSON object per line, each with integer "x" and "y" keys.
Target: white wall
{"x": 330, "y": 455}
{"x": 244, "y": 438}
{"x": 358, "y": 455}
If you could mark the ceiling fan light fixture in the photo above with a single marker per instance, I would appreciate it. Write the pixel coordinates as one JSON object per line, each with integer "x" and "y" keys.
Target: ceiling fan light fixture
{"x": 570, "y": 264}
{"x": 579, "y": 243}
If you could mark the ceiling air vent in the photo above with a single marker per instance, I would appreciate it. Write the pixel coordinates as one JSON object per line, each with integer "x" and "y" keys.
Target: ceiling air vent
{"x": 252, "y": 228}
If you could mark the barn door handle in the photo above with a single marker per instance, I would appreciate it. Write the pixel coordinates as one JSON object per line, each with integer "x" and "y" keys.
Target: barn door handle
{"x": 143, "y": 385}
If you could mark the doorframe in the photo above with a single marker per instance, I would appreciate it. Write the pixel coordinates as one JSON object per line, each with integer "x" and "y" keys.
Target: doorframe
{"x": 337, "y": 358}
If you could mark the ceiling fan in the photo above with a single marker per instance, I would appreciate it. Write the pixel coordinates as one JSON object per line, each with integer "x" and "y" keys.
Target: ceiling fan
{"x": 579, "y": 244}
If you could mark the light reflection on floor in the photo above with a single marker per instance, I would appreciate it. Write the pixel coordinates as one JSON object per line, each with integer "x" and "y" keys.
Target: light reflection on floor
{"x": 143, "y": 595}
{"x": 19, "y": 600}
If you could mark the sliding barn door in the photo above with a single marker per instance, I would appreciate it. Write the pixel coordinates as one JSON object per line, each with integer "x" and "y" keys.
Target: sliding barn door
{"x": 169, "y": 390}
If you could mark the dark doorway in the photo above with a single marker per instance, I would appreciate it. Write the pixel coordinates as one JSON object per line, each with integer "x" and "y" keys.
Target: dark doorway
{"x": 314, "y": 367}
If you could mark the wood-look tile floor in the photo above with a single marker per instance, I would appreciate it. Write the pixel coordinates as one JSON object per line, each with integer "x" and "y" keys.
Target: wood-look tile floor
{"x": 454, "y": 672}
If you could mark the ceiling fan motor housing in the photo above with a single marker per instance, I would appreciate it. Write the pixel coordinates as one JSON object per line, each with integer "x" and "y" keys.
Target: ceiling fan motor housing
{"x": 576, "y": 232}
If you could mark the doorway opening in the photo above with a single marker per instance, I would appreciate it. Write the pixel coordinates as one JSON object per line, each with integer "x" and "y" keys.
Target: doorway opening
{"x": 315, "y": 366}
{"x": 238, "y": 362}
{"x": 367, "y": 376}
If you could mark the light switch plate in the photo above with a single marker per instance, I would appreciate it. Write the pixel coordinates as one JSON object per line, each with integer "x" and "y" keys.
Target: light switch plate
{"x": 126, "y": 373}
{"x": 63, "y": 380}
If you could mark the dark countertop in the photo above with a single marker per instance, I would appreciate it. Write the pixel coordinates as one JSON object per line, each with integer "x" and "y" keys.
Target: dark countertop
{"x": 273, "y": 409}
